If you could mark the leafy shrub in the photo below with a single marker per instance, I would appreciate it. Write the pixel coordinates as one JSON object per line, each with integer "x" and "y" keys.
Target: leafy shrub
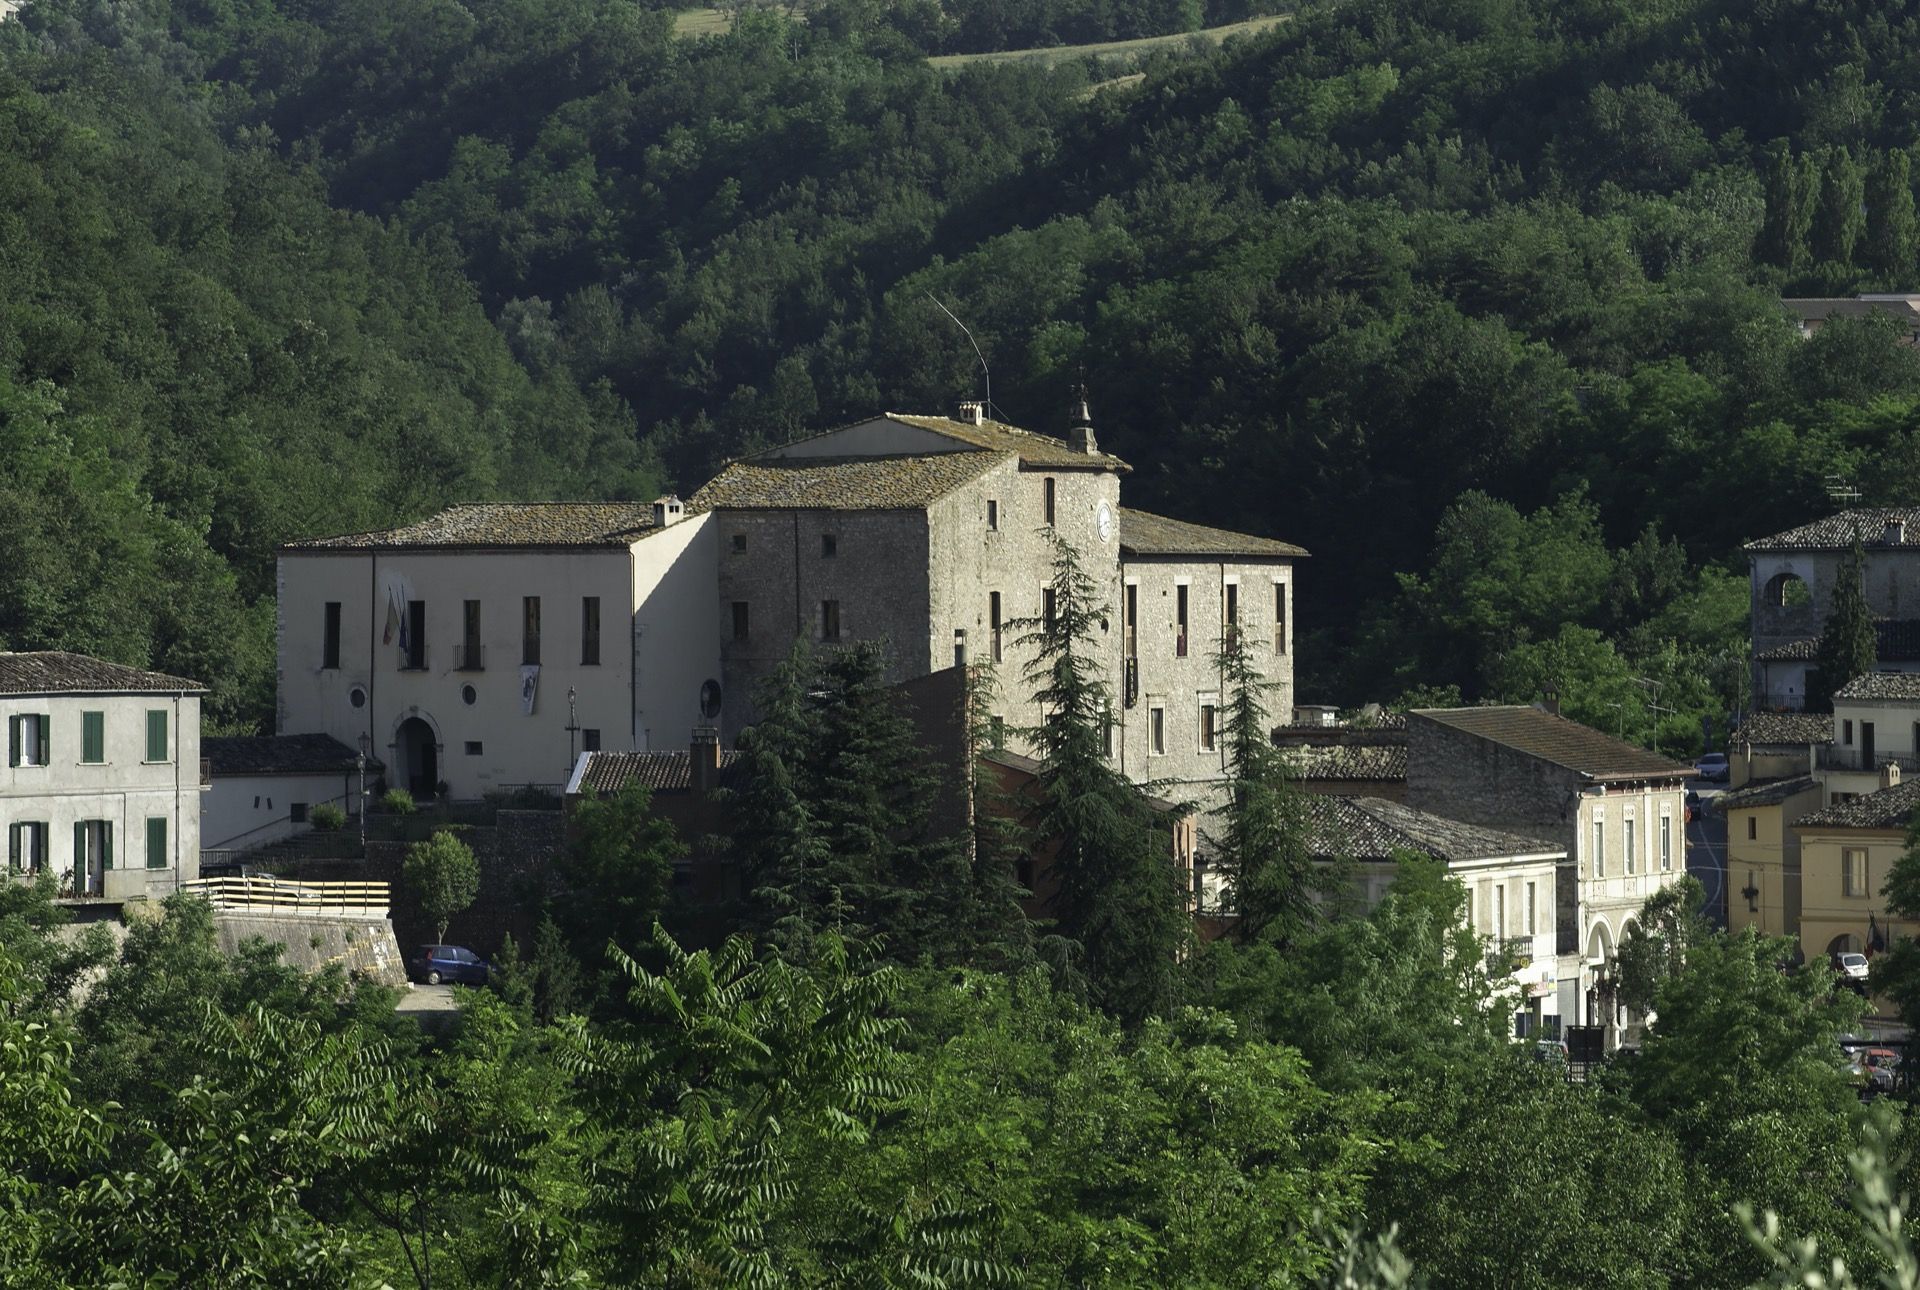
{"x": 397, "y": 801}
{"x": 327, "y": 818}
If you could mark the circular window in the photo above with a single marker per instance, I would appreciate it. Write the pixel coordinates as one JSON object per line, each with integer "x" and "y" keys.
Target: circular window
{"x": 357, "y": 697}
{"x": 468, "y": 694}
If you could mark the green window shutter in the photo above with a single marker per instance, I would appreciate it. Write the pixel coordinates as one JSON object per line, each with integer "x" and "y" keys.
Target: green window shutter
{"x": 46, "y": 739}
{"x": 13, "y": 741}
{"x": 13, "y": 848}
{"x": 79, "y": 848}
{"x": 106, "y": 844}
{"x": 156, "y": 842}
{"x": 157, "y": 735}
{"x": 93, "y": 737}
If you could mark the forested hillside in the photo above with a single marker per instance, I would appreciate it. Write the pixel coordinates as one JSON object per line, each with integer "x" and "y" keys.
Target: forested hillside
{"x": 1406, "y": 283}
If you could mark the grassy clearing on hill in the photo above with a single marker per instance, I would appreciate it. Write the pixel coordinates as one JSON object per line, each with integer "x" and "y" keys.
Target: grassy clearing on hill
{"x": 1112, "y": 48}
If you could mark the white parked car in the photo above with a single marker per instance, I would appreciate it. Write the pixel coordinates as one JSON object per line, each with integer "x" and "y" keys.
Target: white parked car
{"x": 1851, "y": 967}
{"x": 1712, "y": 766}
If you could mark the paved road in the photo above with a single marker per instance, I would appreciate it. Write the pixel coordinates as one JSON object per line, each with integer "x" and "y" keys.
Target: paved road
{"x": 1707, "y": 854}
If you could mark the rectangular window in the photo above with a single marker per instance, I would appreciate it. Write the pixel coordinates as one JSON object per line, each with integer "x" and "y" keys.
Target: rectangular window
{"x": 1533, "y": 909}
{"x": 157, "y": 841}
{"x": 959, "y": 647}
{"x": 27, "y": 846}
{"x": 739, "y": 620}
{"x": 470, "y": 659}
{"x": 92, "y": 855}
{"x": 93, "y": 737}
{"x": 996, "y": 733}
{"x": 1231, "y": 612}
{"x": 829, "y": 620}
{"x": 330, "y": 637}
{"x": 1629, "y": 840}
{"x": 1854, "y": 862}
{"x": 829, "y": 546}
{"x": 1207, "y": 717}
{"x": 1046, "y": 608}
{"x": 1500, "y": 910}
{"x": 1180, "y": 620}
{"x": 475, "y": 747}
{"x": 297, "y": 812}
{"x": 1666, "y": 844}
{"x": 157, "y": 734}
{"x": 1047, "y": 488}
{"x": 27, "y": 739}
{"x": 589, "y": 739}
{"x": 1106, "y": 729}
{"x": 416, "y": 637}
{"x": 590, "y": 631}
{"x": 1846, "y": 732}
{"x": 1279, "y": 617}
{"x": 1157, "y": 731}
{"x": 739, "y": 543}
{"x": 530, "y": 629}
{"x": 993, "y": 621}
{"x": 993, "y": 515}
{"x": 1599, "y": 848}
{"x": 1130, "y": 620}
{"x": 1753, "y": 828}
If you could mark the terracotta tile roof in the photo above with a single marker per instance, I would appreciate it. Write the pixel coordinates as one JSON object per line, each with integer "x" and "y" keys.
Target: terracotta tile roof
{"x": 506, "y": 524}
{"x": 1032, "y": 766}
{"x": 841, "y": 484}
{"x": 1881, "y": 685}
{"x": 1144, "y": 534}
{"x": 1371, "y": 828}
{"x": 1835, "y": 532}
{"x": 1033, "y": 448}
{"x": 1791, "y": 652}
{"x": 1785, "y": 728}
{"x": 1556, "y": 740}
{"x": 1821, "y": 308}
{"x": 663, "y": 772}
{"x": 56, "y": 672}
{"x": 1890, "y": 808}
{"x": 1768, "y": 793}
{"x": 280, "y": 755}
{"x": 1348, "y": 761}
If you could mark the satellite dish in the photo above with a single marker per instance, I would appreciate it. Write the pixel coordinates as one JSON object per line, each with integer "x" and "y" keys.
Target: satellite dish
{"x": 709, "y": 699}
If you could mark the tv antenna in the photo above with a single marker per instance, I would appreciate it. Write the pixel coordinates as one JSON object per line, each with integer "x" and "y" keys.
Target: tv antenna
{"x": 1841, "y": 489}
{"x": 985, "y": 371}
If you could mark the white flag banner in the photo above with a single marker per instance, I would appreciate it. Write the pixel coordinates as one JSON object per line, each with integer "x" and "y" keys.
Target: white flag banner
{"x": 529, "y": 686}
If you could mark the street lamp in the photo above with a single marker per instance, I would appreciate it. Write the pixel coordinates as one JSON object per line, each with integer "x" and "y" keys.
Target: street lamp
{"x": 573, "y": 725}
{"x": 360, "y": 763}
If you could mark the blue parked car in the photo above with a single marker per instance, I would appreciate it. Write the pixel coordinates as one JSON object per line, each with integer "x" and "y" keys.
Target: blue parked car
{"x": 437, "y": 963}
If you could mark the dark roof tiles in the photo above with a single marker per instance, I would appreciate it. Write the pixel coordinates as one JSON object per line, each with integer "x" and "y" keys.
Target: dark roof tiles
{"x": 1785, "y": 728}
{"x": 1881, "y": 685}
{"x": 1890, "y": 808}
{"x": 1835, "y": 532}
{"x": 1034, "y": 449}
{"x": 280, "y": 755}
{"x": 482, "y": 525}
{"x": 841, "y": 484}
{"x": 1372, "y": 828}
{"x": 1768, "y": 793}
{"x": 1348, "y": 761}
{"x": 1556, "y": 740}
{"x": 57, "y": 672}
{"x": 663, "y": 772}
{"x": 1142, "y": 533}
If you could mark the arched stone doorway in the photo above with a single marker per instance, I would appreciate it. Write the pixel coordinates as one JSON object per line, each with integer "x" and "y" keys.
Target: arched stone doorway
{"x": 416, "y": 760}
{"x": 1846, "y": 944}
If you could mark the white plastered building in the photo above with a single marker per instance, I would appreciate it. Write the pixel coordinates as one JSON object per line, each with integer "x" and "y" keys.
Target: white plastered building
{"x": 103, "y": 776}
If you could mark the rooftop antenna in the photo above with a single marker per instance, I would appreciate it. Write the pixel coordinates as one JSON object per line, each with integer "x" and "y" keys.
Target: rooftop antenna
{"x": 1841, "y": 489}
{"x": 985, "y": 372}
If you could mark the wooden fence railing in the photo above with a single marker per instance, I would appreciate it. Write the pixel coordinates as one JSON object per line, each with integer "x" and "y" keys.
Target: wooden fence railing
{"x": 266, "y": 895}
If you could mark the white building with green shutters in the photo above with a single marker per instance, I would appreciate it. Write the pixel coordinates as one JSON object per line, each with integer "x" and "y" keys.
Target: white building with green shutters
{"x": 103, "y": 777}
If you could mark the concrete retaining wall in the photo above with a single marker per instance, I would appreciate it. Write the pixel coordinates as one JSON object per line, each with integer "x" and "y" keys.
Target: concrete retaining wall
{"x": 364, "y": 947}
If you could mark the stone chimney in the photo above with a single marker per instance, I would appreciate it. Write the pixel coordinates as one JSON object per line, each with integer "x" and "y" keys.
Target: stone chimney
{"x": 1550, "y": 700}
{"x": 1889, "y": 775}
{"x": 668, "y": 510}
{"x": 1895, "y": 532}
{"x": 703, "y": 760}
{"x": 1080, "y": 430}
{"x": 973, "y": 413}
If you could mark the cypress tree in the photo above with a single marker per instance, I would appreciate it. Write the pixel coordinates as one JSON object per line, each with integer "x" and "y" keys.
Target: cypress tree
{"x": 1838, "y": 219}
{"x": 1120, "y": 897}
{"x": 786, "y": 889}
{"x": 1777, "y": 244}
{"x": 1262, "y": 840}
{"x": 1806, "y": 197}
{"x": 1891, "y": 228}
{"x": 1847, "y": 648}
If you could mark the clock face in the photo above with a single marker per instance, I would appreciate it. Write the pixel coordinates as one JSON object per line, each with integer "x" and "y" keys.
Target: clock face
{"x": 1103, "y": 520}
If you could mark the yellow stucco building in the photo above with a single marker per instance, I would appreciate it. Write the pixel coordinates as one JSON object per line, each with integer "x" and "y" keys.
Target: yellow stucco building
{"x": 1846, "y": 852}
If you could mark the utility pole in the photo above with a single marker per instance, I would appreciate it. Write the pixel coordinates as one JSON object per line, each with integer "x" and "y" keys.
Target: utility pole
{"x": 573, "y": 725}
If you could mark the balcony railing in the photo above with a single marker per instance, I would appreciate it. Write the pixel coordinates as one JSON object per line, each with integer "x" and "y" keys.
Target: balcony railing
{"x": 1837, "y": 758}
